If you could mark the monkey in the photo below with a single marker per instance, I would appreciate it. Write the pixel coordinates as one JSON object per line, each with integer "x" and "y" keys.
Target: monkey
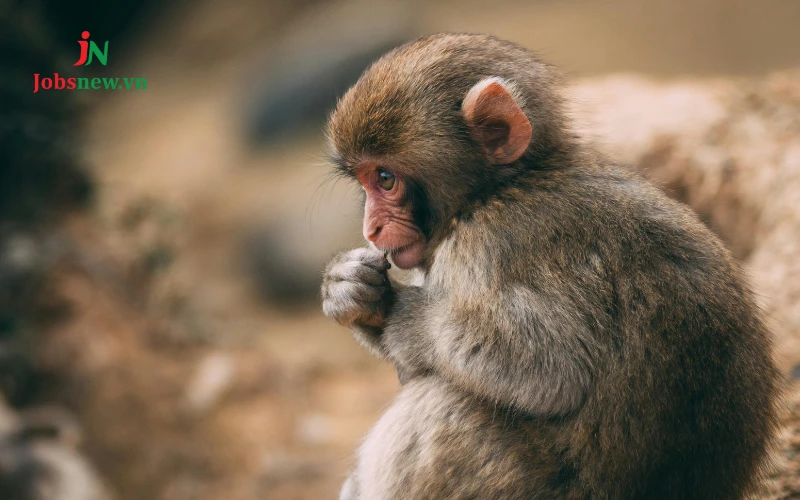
{"x": 574, "y": 333}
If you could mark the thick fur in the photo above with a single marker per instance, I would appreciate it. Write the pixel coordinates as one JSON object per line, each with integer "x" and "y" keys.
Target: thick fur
{"x": 577, "y": 335}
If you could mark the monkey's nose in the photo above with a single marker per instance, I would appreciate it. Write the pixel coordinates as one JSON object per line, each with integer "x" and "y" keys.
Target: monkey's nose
{"x": 373, "y": 232}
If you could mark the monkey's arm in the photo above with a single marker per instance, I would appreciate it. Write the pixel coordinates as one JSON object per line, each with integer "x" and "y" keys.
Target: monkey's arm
{"x": 518, "y": 347}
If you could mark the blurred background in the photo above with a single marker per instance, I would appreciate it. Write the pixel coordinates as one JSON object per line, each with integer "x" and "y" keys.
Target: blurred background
{"x": 161, "y": 249}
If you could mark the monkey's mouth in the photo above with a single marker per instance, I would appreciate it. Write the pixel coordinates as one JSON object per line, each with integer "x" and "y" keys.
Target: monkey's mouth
{"x": 407, "y": 256}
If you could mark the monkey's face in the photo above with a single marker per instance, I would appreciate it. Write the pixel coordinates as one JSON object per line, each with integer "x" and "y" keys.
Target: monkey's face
{"x": 389, "y": 220}
{"x": 425, "y": 141}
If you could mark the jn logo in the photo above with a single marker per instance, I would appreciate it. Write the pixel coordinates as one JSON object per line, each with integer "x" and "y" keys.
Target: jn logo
{"x": 90, "y": 49}
{"x": 89, "y": 52}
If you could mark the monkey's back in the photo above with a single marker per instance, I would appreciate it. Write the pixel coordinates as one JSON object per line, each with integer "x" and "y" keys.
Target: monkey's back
{"x": 684, "y": 404}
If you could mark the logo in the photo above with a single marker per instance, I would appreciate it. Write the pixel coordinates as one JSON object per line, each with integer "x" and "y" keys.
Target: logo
{"x": 89, "y": 53}
{"x": 89, "y": 49}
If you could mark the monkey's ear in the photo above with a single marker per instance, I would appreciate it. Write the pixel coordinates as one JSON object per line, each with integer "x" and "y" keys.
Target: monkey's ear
{"x": 496, "y": 121}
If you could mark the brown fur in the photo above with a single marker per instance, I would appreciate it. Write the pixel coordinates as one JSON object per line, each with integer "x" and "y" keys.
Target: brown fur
{"x": 577, "y": 333}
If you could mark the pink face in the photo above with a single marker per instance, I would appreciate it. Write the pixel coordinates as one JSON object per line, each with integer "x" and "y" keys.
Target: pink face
{"x": 388, "y": 221}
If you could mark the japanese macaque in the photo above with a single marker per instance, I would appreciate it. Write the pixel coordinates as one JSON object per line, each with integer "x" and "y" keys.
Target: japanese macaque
{"x": 576, "y": 333}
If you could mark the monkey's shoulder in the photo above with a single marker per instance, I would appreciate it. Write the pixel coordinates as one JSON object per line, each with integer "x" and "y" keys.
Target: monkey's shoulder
{"x": 608, "y": 213}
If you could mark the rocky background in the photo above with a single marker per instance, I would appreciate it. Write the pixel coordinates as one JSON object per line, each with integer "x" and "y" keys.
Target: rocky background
{"x": 160, "y": 250}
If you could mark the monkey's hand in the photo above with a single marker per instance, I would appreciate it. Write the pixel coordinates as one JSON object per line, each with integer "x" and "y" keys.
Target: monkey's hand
{"x": 356, "y": 292}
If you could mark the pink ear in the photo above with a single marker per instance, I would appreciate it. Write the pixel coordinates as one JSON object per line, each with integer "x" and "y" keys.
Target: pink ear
{"x": 497, "y": 121}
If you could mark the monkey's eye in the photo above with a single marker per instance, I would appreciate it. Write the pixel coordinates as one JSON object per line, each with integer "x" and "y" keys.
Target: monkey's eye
{"x": 386, "y": 180}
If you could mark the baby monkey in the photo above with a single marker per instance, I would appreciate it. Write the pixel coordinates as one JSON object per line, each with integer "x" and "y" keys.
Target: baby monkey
{"x": 576, "y": 334}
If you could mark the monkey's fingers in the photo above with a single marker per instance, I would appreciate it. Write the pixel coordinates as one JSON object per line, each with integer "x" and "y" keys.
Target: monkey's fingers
{"x": 386, "y": 257}
{"x": 368, "y": 256}
{"x": 350, "y": 294}
{"x": 358, "y": 272}
{"x": 374, "y": 258}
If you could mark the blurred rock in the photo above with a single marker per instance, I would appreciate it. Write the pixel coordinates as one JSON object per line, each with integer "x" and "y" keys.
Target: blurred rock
{"x": 282, "y": 467}
{"x": 39, "y": 459}
{"x": 315, "y": 428}
{"x": 22, "y": 268}
{"x": 322, "y": 54}
{"x": 281, "y": 273}
{"x": 18, "y": 379}
{"x": 285, "y": 257}
{"x": 306, "y": 85}
{"x": 214, "y": 376}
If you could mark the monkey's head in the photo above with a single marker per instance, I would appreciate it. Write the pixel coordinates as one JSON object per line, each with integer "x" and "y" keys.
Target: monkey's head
{"x": 438, "y": 125}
